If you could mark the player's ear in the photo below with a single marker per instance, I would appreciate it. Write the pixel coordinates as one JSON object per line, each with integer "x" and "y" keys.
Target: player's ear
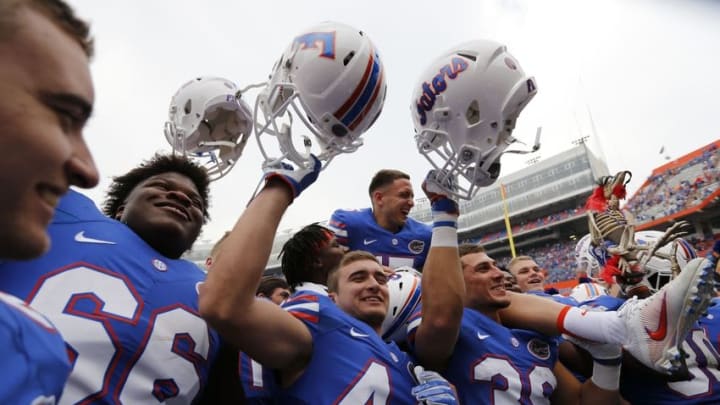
{"x": 376, "y": 196}
{"x": 119, "y": 212}
{"x": 333, "y": 296}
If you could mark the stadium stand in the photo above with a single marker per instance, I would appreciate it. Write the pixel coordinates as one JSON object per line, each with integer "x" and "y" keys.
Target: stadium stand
{"x": 546, "y": 201}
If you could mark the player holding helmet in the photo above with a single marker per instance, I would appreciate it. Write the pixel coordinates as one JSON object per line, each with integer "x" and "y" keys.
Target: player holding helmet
{"x": 313, "y": 334}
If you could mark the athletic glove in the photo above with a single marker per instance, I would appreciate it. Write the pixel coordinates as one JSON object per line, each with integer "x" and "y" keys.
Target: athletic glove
{"x": 297, "y": 179}
{"x": 433, "y": 389}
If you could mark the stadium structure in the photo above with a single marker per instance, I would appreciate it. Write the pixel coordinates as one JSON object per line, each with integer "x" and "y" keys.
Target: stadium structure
{"x": 545, "y": 206}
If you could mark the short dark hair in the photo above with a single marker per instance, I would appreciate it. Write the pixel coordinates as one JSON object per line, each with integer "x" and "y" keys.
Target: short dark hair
{"x": 468, "y": 248}
{"x": 299, "y": 252}
{"x": 57, "y": 11}
{"x": 385, "y": 177}
{"x": 123, "y": 185}
{"x": 269, "y": 284}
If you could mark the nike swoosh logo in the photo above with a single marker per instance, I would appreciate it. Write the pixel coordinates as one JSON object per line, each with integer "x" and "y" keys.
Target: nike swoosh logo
{"x": 482, "y": 337}
{"x": 368, "y": 242}
{"x": 357, "y": 334}
{"x": 80, "y": 237}
{"x": 661, "y": 331}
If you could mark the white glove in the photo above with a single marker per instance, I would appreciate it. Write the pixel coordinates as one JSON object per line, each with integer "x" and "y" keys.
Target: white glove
{"x": 297, "y": 179}
{"x": 433, "y": 389}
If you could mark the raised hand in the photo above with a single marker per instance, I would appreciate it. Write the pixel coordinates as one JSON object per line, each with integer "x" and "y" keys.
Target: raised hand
{"x": 297, "y": 179}
{"x": 437, "y": 188}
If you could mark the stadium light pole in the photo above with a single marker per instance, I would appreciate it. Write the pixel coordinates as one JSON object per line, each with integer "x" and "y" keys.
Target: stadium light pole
{"x": 508, "y": 228}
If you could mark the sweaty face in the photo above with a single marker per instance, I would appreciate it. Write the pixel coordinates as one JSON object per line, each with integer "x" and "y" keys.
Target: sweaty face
{"x": 47, "y": 96}
{"x": 362, "y": 291}
{"x": 394, "y": 204}
{"x": 484, "y": 283}
{"x": 529, "y": 275}
{"x": 166, "y": 211}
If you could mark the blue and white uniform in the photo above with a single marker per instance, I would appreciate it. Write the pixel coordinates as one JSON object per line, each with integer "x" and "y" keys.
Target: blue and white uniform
{"x": 358, "y": 230}
{"x": 128, "y": 314}
{"x": 702, "y": 346}
{"x": 492, "y": 364}
{"x": 34, "y": 363}
{"x": 258, "y": 382}
{"x": 350, "y": 363}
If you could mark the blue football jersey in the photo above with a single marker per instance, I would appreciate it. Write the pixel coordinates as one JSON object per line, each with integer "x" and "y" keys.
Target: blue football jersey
{"x": 128, "y": 314}
{"x": 358, "y": 230}
{"x": 492, "y": 364}
{"x": 350, "y": 363}
{"x": 258, "y": 382}
{"x": 703, "y": 362}
{"x": 34, "y": 363}
{"x": 561, "y": 299}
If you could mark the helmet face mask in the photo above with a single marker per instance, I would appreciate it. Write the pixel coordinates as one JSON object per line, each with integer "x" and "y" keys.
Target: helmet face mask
{"x": 464, "y": 110}
{"x": 658, "y": 269}
{"x": 209, "y": 123}
{"x": 331, "y": 80}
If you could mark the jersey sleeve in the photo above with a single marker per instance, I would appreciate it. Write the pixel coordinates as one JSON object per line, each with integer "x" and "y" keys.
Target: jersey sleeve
{"x": 339, "y": 226}
{"x": 305, "y": 307}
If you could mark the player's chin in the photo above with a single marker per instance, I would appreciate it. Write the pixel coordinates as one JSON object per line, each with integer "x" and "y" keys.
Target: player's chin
{"x": 373, "y": 317}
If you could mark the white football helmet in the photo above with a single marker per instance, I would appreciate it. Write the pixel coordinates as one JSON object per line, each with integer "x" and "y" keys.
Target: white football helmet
{"x": 587, "y": 291}
{"x": 464, "y": 109}
{"x": 584, "y": 257}
{"x": 658, "y": 268}
{"x": 404, "y": 288}
{"x": 210, "y": 123}
{"x": 331, "y": 78}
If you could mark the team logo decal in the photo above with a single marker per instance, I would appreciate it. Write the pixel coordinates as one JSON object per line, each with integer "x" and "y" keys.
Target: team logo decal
{"x": 539, "y": 349}
{"x": 323, "y": 41}
{"x": 416, "y": 246}
{"x": 159, "y": 265}
{"x": 437, "y": 85}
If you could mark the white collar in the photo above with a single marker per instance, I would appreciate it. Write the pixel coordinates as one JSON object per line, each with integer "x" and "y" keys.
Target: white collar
{"x": 315, "y": 287}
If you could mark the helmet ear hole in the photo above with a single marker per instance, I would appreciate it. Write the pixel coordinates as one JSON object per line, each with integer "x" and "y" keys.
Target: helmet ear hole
{"x": 472, "y": 114}
{"x": 339, "y": 130}
{"x": 188, "y": 107}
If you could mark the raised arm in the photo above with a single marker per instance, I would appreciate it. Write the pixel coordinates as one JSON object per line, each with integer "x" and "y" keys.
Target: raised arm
{"x": 257, "y": 327}
{"x": 443, "y": 288}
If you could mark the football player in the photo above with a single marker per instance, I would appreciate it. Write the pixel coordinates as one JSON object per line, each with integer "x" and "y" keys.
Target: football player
{"x": 322, "y": 353}
{"x": 114, "y": 285}
{"x": 47, "y": 97}
{"x": 385, "y": 229}
{"x": 465, "y": 108}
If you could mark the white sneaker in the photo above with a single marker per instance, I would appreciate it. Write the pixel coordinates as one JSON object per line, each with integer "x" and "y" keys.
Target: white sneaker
{"x": 656, "y": 326}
